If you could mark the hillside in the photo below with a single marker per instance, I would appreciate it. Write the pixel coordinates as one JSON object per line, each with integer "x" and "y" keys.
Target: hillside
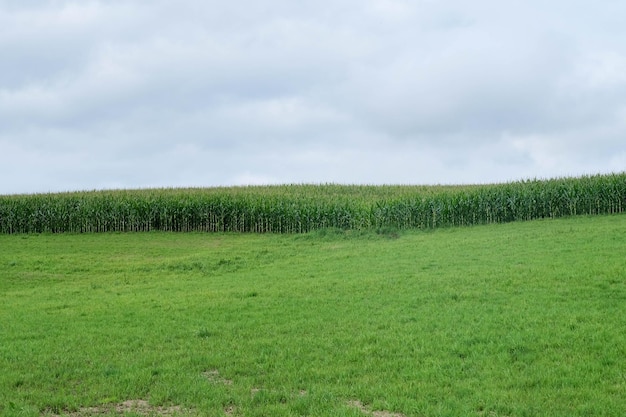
{"x": 516, "y": 319}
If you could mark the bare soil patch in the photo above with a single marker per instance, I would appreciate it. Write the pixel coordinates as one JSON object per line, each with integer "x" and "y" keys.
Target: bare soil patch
{"x": 140, "y": 407}
{"x": 358, "y": 404}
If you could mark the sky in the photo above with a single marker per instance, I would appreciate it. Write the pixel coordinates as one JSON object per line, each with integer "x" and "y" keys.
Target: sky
{"x": 200, "y": 93}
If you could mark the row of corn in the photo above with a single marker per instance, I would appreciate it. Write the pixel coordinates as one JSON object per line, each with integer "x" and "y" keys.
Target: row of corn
{"x": 302, "y": 208}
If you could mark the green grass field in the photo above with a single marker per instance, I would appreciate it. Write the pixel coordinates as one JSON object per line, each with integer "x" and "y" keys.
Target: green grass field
{"x": 517, "y": 319}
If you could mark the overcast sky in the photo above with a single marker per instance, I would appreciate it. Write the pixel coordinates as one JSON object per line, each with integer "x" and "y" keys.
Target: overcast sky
{"x": 135, "y": 94}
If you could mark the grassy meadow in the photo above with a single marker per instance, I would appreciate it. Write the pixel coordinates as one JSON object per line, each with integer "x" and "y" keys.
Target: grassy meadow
{"x": 515, "y": 319}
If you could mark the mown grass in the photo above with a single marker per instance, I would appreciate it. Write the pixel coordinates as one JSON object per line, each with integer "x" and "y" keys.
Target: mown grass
{"x": 520, "y": 319}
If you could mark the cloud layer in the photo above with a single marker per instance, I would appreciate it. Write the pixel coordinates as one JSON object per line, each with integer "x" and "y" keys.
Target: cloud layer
{"x": 97, "y": 94}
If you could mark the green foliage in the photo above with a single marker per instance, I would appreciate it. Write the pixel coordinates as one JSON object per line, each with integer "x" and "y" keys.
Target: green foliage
{"x": 302, "y": 208}
{"x": 520, "y": 319}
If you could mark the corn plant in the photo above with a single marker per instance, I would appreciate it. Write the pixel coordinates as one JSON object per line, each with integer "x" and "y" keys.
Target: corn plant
{"x": 302, "y": 208}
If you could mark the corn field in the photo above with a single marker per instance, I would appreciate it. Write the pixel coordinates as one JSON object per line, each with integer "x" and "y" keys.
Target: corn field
{"x": 303, "y": 208}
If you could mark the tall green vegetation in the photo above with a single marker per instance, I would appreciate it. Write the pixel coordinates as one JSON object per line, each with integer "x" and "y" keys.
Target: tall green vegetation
{"x": 302, "y": 208}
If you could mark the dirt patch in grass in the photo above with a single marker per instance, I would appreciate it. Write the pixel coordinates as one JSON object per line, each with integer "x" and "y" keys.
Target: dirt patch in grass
{"x": 140, "y": 407}
{"x": 358, "y": 404}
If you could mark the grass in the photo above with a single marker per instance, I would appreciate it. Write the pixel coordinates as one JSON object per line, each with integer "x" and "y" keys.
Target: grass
{"x": 519, "y": 319}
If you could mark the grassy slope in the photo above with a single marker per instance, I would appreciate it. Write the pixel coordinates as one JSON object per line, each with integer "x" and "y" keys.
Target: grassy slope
{"x": 519, "y": 319}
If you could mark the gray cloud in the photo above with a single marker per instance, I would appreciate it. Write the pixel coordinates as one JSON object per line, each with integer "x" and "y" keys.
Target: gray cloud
{"x": 135, "y": 94}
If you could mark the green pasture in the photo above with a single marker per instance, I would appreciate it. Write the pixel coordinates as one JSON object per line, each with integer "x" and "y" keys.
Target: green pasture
{"x": 516, "y": 319}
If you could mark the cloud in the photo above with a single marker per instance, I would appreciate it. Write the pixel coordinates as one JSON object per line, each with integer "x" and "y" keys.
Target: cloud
{"x": 134, "y": 94}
